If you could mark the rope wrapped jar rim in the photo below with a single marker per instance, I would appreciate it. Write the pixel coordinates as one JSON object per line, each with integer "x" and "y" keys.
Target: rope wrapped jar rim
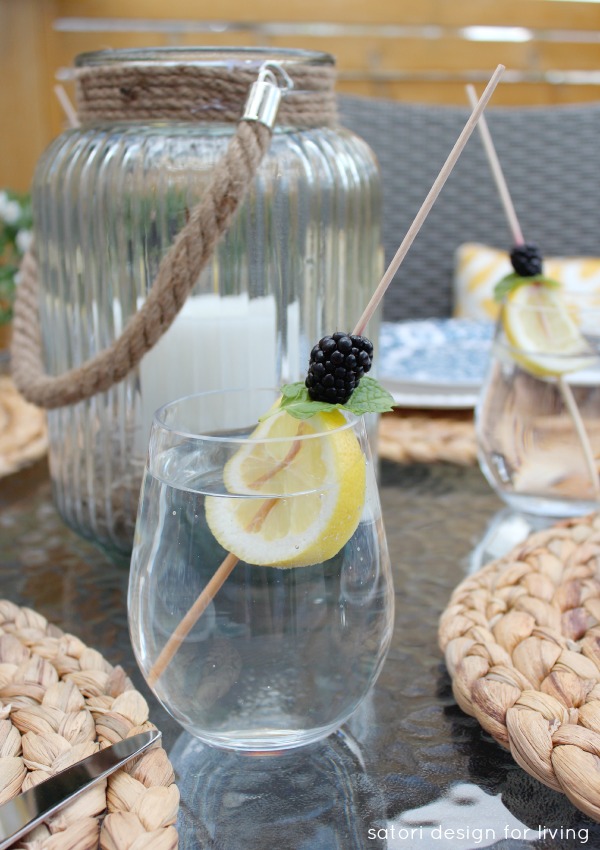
{"x": 200, "y": 84}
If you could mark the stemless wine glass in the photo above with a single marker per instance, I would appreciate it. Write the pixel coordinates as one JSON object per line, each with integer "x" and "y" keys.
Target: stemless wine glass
{"x": 260, "y": 596}
{"x": 538, "y": 416}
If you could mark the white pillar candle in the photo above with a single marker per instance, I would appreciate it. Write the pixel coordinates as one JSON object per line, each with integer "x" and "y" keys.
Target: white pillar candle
{"x": 214, "y": 343}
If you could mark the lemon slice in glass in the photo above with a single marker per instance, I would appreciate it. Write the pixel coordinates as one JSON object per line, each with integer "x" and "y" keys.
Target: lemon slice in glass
{"x": 544, "y": 335}
{"x": 314, "y": 492}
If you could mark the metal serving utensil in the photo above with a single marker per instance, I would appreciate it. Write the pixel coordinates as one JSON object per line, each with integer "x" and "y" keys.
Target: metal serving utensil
{"x": 19, "y": 815}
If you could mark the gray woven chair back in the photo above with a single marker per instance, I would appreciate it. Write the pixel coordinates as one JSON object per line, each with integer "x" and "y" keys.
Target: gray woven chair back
{"x": 550, "y": 157}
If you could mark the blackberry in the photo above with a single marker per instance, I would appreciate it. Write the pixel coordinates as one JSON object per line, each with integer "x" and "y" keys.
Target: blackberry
{"x": 337, "y": 363}
{"x": 526, "y": 260}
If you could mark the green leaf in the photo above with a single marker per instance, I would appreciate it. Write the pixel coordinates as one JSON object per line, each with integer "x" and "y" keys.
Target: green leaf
{"x": 293, "y": 390}
{"x": 507, "y": 284}
{"x": 546, "y": 281}
{"x": 513, "y": 281}
{"x": 297, "y": 402}
{"x": 8, "y": 272}
{"x": 369, "y": 397}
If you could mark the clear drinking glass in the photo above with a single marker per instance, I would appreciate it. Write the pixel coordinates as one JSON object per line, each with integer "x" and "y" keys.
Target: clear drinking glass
{"x": 538, "y": 416}
{"x": 274, "y": 656}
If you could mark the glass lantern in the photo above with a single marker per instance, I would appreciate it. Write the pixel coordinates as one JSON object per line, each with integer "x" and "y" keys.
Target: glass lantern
{"x": 300, "y": 259}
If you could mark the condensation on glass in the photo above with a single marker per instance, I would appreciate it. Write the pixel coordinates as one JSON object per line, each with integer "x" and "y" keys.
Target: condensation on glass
{"x": 300, "y": 260}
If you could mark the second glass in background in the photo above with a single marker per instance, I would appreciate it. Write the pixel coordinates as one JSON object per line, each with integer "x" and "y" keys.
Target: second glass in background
{"x": 538, "y": 416}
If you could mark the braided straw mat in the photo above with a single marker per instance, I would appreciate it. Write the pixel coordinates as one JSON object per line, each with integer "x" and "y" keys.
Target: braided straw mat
{"x": 23, "y": 433}
{"x": 60, "y": 702}
{"x": 427, "y": 437}
{"x": 522, "y": 644}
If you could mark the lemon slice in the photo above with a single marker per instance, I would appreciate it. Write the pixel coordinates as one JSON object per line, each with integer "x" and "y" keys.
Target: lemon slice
{"x": 322, "y": 477}
{"x": 545, "y": 336}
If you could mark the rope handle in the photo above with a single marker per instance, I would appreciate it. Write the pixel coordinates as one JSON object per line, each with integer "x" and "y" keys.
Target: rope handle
{"x": 177, "y": 274}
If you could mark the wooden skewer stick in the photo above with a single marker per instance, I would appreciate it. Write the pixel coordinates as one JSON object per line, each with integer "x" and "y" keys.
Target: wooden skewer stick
{"x": 497, "y": 173}
{"x": 68, "y": 108}
{"x": 582, "y": 434}
{"x": 189, "y": 620}
{"x": 517, "y": 234}
{"x": 429, "y": 201}
{"x": 224, "y": 570}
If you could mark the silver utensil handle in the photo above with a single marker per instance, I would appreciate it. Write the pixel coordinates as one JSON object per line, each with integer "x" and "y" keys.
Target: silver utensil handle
{"x": 19, "y": 815}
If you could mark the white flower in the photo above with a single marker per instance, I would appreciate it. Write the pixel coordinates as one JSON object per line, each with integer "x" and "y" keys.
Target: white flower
{"x": 10, "y": 211}
{"x": 24, "y": 240}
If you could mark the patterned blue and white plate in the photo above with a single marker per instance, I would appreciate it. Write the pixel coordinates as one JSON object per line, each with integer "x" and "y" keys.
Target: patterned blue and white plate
{"x": 434, "y": 362}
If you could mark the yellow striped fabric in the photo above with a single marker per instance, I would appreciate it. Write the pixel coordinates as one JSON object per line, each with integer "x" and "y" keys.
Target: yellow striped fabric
{"x": 478, "y": 268}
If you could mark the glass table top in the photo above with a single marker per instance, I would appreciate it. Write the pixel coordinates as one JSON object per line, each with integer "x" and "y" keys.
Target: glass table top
{"x": 409, "y": 770}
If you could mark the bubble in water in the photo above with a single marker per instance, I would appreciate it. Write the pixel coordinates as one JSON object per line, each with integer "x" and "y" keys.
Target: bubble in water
{"x": 174, "y": 513}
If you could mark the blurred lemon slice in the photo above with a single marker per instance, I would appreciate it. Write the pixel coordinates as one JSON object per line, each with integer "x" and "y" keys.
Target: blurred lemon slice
{"x": 323, "y": 476}
{"x": 545, "y": 336}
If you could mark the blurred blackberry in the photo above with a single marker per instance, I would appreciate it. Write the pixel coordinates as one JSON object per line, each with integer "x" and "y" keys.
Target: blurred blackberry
{"x": 337, "y": 363}
{"x": 526, "y": 260}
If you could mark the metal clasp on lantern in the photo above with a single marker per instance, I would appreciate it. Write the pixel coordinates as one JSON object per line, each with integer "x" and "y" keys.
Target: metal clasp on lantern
{"x": 266, "y": 93}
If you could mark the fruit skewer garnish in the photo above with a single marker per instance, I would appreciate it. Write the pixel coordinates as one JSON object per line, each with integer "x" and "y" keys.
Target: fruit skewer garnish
{"x": 545, "y": 338}
{"x": 310, "y": 400}
{"x": 337, "y": 363}
{"x": 336, "y": 379}
{"x": 544, "y": 335}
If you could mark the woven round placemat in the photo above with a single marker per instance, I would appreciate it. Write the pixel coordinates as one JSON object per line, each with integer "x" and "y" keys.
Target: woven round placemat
{"x": 23, "y": 431}
{"x": 428, "y": 436}
{"x": 521, "y": 639}
{"x": 59, "y": 702}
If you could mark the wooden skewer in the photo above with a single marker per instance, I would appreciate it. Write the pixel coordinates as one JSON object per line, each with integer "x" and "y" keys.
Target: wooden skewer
{"x": 582, "y": 434}
{"x": 429, "y": 201}
{"x": 517, "y": 234}
{"x": 225, "y": 569}
{"x": 190, "y": 619}
{"x": 187, "y": 623}
{"x": 497, "y": 173}
{"x": 68, "y": 108}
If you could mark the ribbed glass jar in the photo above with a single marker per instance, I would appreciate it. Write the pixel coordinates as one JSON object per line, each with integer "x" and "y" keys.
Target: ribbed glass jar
{"x": 300, "y": 259}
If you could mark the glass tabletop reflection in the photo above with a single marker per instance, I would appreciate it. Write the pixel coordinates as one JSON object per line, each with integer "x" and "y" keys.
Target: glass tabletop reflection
{"x": 410, "y": 770}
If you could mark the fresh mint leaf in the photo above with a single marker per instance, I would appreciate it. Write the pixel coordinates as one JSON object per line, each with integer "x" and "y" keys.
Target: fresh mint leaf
{"x": 294, "y": 390}
{"x": 506, "y": 285}
{"x": 299, "y": 404}
{"x": 547, "y": 281}
{"x": 513, "y": 281}
{"x": 294, "y": 398}
{"x": 369, "y": 397}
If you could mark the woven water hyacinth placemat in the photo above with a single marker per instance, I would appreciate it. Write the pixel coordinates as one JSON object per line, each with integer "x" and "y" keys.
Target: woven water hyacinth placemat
{"x": 59, "y": 702}
{"x": 23, "y": 431}
{"x": 521, "y": 639}
{"x": 428, "y": 436}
